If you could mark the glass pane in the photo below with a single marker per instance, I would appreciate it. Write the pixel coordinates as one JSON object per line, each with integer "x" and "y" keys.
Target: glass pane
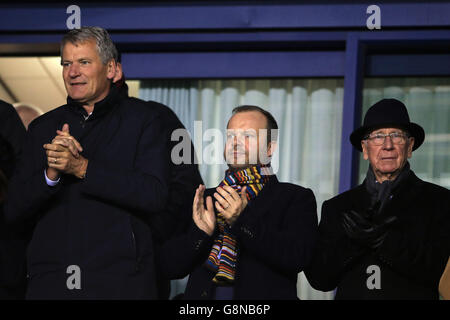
{"x": 428, "y": 104}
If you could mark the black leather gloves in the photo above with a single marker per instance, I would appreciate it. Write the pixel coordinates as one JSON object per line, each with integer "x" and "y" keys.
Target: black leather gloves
{"x": 365, "y": 228}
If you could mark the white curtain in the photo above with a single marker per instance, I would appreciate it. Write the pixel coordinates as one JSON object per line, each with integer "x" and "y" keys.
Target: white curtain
{"x": 309, "y": 116}
{"x": 428, "y": 104}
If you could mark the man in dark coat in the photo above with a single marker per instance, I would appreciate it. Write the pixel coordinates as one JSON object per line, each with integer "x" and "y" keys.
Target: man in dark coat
{"x": 259, "y": 233}
{"x": 389, "y": 237}
{"x": 92, "y": 189}
{"x": 13, "y": 132}
{"x": 173, "y": 221}
{"x": 13, "y": 241}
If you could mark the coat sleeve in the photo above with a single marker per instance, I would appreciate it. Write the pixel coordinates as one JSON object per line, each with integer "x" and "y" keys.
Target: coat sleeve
{"x": 177, "y": 257}
{"x": 28, "y": 191}
{"x": 422, "y": 259}
{"x": 184, "y": 180}
{"x": 334, "y": 253}
{"x": 144, "y": 187}
{"x": 288, "y": 248}
{"x": 13, "y": 244}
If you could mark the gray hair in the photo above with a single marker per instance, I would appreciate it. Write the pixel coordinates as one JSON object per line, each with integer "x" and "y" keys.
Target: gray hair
{"x": 105, "y": 47}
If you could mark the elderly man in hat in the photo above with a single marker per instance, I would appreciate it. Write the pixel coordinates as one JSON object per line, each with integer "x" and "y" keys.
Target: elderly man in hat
{"x": 389, "y": 237}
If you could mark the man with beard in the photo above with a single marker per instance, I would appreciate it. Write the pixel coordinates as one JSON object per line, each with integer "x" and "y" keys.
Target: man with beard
{"x": 261, "y": 232}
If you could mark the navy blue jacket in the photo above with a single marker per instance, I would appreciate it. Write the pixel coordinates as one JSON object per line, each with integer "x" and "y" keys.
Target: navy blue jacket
{"x": 101, "y": 223}
{"x": 276, "y": 234}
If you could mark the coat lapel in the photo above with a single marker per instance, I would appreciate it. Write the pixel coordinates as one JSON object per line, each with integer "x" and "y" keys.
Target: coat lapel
{"x": 360, "y": 198}
{"x": 409, "y": 189}
{"x": 402, "y": 197}
{"x": 262, "y": 203}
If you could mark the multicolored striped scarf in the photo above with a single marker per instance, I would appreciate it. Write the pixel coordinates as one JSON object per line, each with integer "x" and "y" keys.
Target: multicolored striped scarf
{"x": 222, "y": 258}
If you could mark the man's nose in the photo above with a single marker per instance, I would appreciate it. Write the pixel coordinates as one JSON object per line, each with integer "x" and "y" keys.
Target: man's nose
{"x": 388, "y": 144}
{"x": 235, "y": 142}
{"x": 74, "y": 70}
{"x": 240, "y": 140}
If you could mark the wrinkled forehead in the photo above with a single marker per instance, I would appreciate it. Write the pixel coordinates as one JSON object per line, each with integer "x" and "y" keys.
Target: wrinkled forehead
{"x": 89, "y": 44}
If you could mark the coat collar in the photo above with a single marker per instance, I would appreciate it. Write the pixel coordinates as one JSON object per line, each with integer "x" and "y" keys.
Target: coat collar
{"x": 409, "y": 189}
{"x": 265, "y": 197}
{"x": 115, "y": 95}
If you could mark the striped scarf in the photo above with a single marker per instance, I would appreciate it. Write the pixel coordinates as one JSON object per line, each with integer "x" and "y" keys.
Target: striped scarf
{"x": 222, "y": 258}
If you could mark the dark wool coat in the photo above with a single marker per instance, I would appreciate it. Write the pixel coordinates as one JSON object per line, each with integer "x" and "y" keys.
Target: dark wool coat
{"x": 103, "y": 223}
{"x": 410, "y": 260}
{"x": 12, "y": 241}
{"x": 275, "y": 233}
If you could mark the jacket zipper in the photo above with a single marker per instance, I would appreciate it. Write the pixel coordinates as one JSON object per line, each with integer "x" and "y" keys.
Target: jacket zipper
{"x": 134, "y": 244}
{"x": 136, "y": 257}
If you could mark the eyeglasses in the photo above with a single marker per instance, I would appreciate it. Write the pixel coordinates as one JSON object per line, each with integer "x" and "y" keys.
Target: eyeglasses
{"x": 379, "y": 138}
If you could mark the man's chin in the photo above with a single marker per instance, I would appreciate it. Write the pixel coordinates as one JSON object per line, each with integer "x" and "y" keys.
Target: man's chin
{"x": 77, "y": 98}
{"x": 392, "y": 169}
{"x": 237, "y": 167}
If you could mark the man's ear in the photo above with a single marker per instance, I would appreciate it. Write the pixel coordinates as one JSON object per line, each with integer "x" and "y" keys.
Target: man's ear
{"x": 271, "y": 148}
{"x": 410, "y": 146}
{"x": 364, "y": 149}
{"x": 119, "y": 72}
{"x": 111, "y": 69}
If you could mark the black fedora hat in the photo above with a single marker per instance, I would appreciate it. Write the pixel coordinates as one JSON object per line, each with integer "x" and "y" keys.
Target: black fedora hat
{"x": 384, "y": 114}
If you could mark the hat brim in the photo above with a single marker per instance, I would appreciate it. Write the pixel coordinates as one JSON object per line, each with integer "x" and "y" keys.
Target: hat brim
{"x": 414, "y": 130}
